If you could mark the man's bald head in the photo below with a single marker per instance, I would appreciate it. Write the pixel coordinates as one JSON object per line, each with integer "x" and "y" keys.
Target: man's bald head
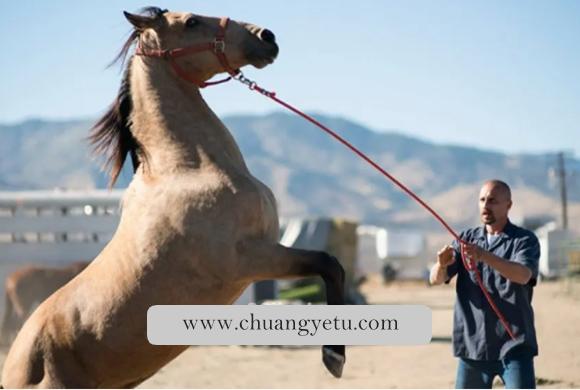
{"x": 501, "y": 186}
{"x": 495, "y": 201}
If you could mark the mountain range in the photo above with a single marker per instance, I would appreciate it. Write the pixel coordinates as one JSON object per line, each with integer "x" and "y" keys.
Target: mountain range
{"x": 312, "y": 175}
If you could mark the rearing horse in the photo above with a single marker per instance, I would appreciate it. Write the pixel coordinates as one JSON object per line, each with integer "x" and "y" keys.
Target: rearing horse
{"x": 196, "y": 226}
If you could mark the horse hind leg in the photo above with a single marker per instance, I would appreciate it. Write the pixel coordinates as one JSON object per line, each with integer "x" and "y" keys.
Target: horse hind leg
{"x": 7, "y": 321}
{"x": 263, "y": 261}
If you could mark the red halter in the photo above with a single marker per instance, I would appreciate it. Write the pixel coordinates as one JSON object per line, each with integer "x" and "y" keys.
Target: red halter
{"x": 218, "y": 47}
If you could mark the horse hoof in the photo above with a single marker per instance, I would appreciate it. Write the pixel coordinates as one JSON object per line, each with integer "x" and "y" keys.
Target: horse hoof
{"x": 333, "y": 361}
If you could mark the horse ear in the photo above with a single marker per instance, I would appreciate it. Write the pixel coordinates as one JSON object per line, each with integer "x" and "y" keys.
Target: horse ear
{"x": 138, "y": 21}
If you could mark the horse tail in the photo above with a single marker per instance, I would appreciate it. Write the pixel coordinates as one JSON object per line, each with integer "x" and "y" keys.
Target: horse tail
{"x": 12, "y": 297}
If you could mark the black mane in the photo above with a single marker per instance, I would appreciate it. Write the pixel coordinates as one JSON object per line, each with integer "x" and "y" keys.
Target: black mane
{"x": 111, "y": 136}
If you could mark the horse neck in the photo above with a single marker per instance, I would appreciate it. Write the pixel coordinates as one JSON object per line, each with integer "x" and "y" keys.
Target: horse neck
{"x": 174, "y": 125}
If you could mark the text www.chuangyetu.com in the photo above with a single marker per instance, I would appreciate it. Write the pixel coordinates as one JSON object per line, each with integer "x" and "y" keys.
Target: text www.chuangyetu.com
{"x": 302, "y": 327}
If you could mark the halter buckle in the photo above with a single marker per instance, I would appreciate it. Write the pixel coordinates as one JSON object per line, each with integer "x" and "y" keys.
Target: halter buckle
{"x": 219, "y": 45}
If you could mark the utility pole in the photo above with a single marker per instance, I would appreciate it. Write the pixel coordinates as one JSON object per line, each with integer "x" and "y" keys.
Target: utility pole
{"x": 561, "y": 174}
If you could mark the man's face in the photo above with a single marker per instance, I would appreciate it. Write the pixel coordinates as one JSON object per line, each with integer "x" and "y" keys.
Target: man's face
{"x": 494, "y": 204}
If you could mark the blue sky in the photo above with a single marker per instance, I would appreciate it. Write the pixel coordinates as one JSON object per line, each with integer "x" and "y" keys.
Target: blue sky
{"x": 492, "y": 74}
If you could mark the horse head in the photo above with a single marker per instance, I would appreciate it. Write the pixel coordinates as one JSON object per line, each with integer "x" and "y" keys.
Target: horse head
{"x": 200, "y": 47}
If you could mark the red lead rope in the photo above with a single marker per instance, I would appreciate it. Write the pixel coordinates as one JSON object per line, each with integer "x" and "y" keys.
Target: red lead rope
{"x": 469, "y": 265}
{"x": 218, "y": 48}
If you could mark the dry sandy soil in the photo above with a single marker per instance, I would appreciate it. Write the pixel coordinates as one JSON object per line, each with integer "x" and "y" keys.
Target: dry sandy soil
{"x": 428, "y": 366}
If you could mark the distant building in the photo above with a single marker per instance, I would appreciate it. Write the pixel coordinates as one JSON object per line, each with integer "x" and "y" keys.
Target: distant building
{"x": 404, "y": 251}
{"x": 555, "y": 245}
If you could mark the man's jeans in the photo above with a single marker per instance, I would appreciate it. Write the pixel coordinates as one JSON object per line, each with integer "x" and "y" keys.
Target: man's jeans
{"x": 516, "y": 373}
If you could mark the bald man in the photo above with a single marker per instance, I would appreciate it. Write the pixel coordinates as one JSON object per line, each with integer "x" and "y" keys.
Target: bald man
{"x": 507, "y": 258}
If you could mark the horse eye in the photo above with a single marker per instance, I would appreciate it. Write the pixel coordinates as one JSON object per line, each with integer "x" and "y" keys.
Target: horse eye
{"x": 191, "y": 22}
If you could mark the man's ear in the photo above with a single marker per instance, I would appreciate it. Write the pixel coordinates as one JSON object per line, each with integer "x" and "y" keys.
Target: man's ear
{"x": 140, "y": 22}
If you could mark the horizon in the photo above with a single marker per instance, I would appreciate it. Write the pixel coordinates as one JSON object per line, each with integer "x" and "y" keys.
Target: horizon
{"x": 486, "y": 75}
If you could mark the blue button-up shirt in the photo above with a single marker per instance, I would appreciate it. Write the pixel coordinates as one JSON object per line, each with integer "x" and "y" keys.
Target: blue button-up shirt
{"x": 478, "y": 334}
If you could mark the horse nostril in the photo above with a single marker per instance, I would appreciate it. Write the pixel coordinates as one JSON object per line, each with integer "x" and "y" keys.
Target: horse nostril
{"x": 267, "y": 36}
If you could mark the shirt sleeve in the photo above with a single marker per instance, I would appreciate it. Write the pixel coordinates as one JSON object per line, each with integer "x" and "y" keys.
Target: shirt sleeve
{"x": 452, "y": 269}
{"x": 527, "y": 253}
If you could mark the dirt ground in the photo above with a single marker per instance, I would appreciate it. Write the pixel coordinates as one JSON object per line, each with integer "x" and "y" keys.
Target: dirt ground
{"x": 428, "y": 366}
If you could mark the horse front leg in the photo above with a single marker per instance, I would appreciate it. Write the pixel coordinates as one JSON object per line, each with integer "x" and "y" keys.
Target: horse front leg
{"x": 261, "y": 260}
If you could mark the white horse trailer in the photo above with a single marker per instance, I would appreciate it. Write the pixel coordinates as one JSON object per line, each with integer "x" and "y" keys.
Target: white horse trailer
{"x": 53, "y": 228}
